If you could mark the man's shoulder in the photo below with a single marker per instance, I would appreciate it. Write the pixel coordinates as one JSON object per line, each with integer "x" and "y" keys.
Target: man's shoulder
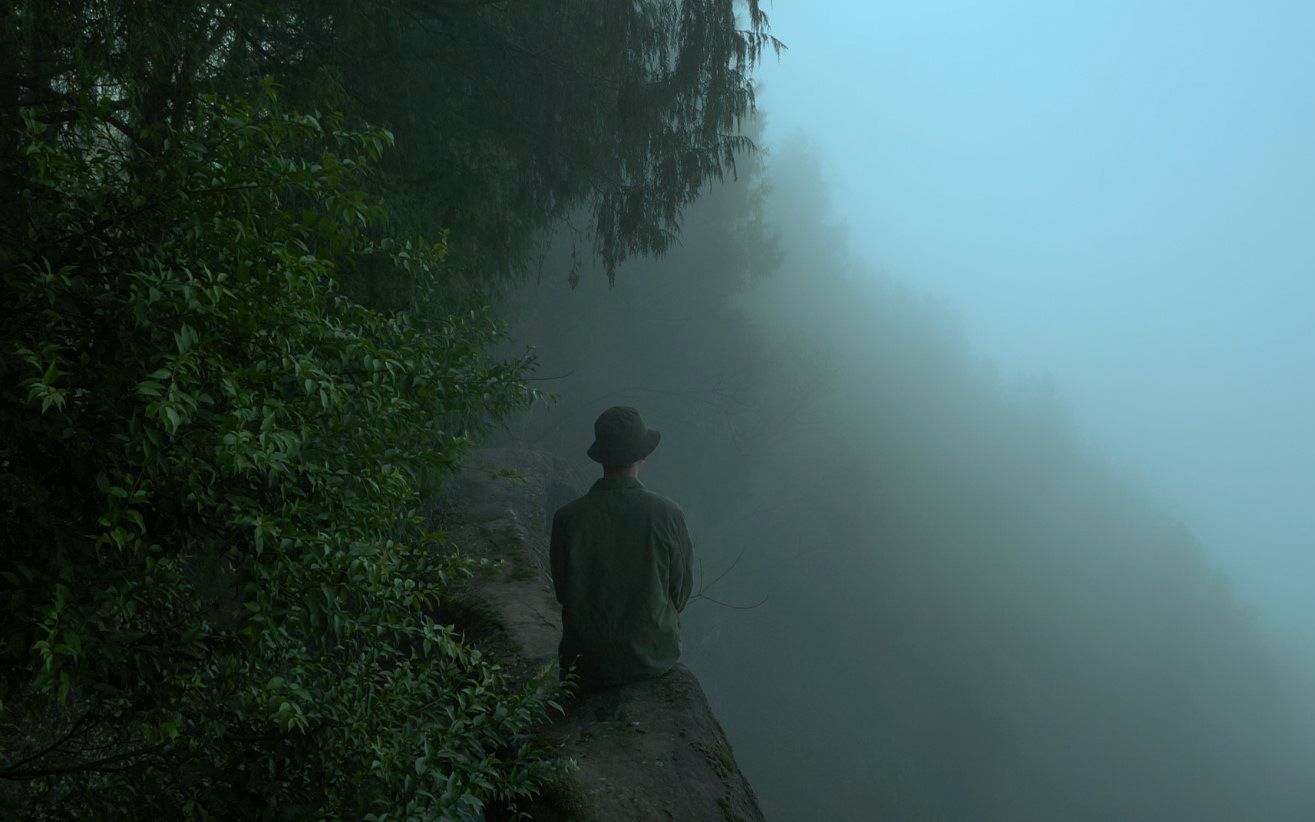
{"x": 570, "y": 508}
{"x": 644, "y": 497}
{"x": 664, "y": 504}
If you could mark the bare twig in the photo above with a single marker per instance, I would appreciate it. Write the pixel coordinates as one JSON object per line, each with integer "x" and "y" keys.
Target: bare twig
{"x": 702, "y": 593}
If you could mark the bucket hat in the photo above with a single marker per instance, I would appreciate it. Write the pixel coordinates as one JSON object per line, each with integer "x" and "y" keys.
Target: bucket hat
{"x": 620, "y": 437}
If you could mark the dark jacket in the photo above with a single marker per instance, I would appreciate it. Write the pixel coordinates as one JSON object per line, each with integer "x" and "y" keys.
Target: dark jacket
{"x": 622, "y": 566}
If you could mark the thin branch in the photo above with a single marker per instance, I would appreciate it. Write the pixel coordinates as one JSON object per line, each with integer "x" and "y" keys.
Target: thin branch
{"x": 703, "y": 589}
{"x": 72, "y": 731}
{"x": 103, "y": 765}
{"x": 728, "y": 605}
{"x": 731, "y": 567}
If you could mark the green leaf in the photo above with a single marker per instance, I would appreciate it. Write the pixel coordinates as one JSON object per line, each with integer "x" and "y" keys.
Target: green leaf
{"x": 135, "y": 517}
{"x": 288, "y": 582}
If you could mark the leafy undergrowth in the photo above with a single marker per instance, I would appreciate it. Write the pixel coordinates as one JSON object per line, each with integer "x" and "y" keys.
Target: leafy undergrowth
{"x": 220, "y": 592}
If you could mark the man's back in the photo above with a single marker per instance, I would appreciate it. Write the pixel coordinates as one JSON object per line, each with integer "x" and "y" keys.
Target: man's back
{"x": 622, "y": 566}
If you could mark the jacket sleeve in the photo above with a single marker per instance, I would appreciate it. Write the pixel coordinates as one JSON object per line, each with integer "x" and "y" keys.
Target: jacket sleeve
{"x": 557, "y": 556}
{"x": 682, "y": 563}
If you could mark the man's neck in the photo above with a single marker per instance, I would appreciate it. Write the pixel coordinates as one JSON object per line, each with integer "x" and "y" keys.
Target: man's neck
{"x": 631, "y": 471}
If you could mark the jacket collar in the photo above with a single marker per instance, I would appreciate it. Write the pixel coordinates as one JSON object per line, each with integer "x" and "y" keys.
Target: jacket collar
{"x": 604, "y": 484}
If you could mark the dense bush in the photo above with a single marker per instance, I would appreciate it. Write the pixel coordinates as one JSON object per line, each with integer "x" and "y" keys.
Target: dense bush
{"x": 215, "y": 575}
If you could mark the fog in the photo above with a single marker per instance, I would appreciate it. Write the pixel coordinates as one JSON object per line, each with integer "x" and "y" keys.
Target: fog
{"x": 1116, "y": 194}
{"x": 986, "y": 388}
{"x": 980, "y": 337}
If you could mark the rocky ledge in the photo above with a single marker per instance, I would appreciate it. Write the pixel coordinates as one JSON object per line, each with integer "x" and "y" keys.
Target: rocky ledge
{"x": 646, "y": 751}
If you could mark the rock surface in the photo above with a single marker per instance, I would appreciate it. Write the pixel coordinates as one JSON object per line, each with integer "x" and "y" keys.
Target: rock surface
{"x": 645, "y": 751}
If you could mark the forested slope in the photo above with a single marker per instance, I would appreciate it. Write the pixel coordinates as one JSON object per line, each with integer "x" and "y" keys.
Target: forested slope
{"x": 967, "y": 614}
{"x": 246, "y": 253}
{"x": 247, "y": 257}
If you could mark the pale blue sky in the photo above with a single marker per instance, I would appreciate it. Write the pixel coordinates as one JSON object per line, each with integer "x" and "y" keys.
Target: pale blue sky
{"x": 1121, "y": 194}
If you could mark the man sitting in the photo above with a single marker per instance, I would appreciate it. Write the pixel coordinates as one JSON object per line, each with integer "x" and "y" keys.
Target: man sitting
{"x": 621, "y": 563}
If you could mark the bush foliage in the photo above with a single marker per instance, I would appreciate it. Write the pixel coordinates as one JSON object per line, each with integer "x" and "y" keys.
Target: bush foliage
{"x": 216, "y": 574}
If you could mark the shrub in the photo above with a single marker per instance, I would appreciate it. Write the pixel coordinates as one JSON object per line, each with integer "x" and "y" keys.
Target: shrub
{"x": 215, "y": 573}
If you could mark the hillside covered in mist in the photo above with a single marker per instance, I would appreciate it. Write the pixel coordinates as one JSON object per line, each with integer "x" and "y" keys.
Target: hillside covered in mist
{"x": 924, "y": 597}
{"x": 253, "y": 263}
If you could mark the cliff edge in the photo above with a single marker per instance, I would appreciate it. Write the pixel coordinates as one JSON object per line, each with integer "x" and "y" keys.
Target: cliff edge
{"x": 647, "y": 751}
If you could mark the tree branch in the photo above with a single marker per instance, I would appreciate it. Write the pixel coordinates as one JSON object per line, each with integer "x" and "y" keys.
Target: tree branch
{"x": 72, "y": 731}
